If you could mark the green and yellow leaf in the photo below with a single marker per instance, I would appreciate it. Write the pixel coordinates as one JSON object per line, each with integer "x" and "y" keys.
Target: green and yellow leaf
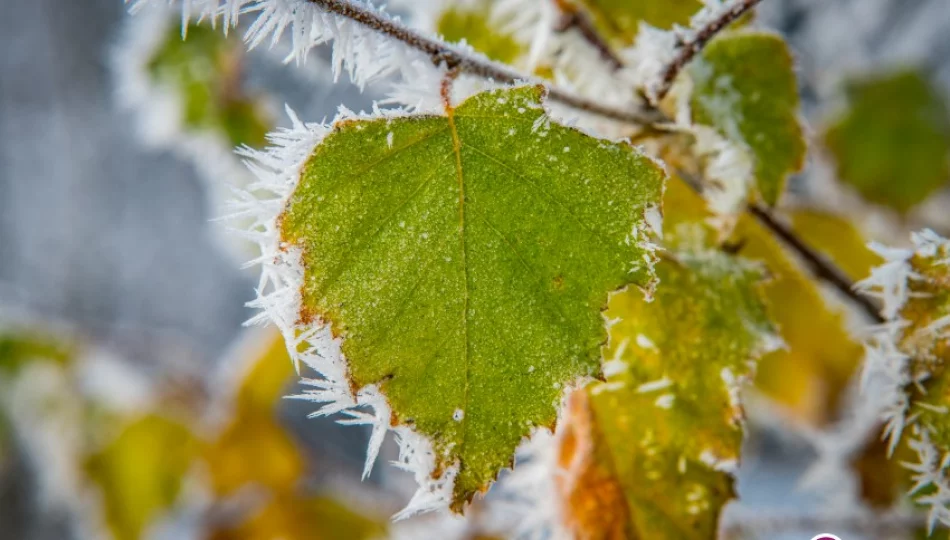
{"x": 465, "y": 259}
{"x": 619, "y": 20}
{"x": 668, "y": 413}
{"x": 745, "y": 88}
{"x": 472, "y": 22}
{"x": 892, "y": 144}
{"x": 808, "y": 376}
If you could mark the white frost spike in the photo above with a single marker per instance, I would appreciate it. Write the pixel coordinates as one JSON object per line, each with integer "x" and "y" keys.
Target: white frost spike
{"x": 727, "y": 170}
{"x": 277, "y": 169}
{"x": 887, "y": 367}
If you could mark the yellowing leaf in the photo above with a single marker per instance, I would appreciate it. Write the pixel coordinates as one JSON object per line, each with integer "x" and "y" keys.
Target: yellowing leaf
{"x": 619, "y": 20}
{"x": 465, "y": 259}
{"x": 472, "y": 22}
{"x": 893, "y": 142}
{"x": 254, "y": 449}
{"x": 654, "y": 443}
{"x": 140, "y": 472}
{"x": 837, "y": 239}
{"x": 745, "y": 88}
{"x": 300, "y": 518}
{"x": 205, "y": 71}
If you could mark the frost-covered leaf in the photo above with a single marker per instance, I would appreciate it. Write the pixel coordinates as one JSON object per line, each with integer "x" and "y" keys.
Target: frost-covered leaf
{"x": 745, "y": 88}
{"x": 893, "y": 142}
{"x": 464, "y": 260}
{"x": 908, "y": 357}
{"x": 648, "y": 453}
{"x": 204, "y": 71}
{"x": 809, "y": 375}
{"x": 620, "y": 20}
{"x": 140, "y": 473}
{"x": 472, "y": 22}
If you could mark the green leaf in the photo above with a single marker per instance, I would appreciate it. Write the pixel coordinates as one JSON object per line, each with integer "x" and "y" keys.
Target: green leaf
{"x": 745, "y": 88}
{"x": 893, "y": 142}
{"x": 620, "y": 20}
{"x": 465, "y": 260}
{"x": 18, "y": 348}
{"x": 205, "y": 70}
{"x": 666, "y": 424}
{"x": 140, "y": 473}
{"x": 472, "y": 22}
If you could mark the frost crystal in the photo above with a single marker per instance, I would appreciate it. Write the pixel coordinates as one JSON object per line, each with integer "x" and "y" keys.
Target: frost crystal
{"x": 901, "y": 359}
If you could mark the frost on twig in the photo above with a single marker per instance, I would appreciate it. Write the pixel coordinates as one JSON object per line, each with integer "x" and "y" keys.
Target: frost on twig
{"x": 908, "y": 355}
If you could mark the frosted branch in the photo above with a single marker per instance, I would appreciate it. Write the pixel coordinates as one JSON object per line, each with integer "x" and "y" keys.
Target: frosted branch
{"x": 687, "y": 49}
{"x": 465, "y": 62}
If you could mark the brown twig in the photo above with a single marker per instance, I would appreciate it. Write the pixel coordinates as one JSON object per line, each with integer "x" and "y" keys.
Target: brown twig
{"x": 455, "y": 58}
{"x": 574, "y": 18}
{"x": 687, "y": 50}
{"x": 819, "y": 265}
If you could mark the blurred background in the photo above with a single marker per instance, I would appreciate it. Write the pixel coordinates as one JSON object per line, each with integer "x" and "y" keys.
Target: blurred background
{"x": 120, "y": 300}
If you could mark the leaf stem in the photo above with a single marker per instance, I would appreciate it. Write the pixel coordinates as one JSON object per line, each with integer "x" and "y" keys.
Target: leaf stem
{"x": 455, "y": 58}
{"x": 688, "y": 49}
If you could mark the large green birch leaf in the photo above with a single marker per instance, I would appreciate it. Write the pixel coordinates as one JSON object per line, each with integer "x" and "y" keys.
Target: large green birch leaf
{"x": 465, "y": 260}
{"x": 893, "y": 142}
{"x": 745, "y": 88}
{"x": 665, "y": 428}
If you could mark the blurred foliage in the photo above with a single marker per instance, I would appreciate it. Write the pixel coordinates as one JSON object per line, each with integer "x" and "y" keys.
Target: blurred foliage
{"x": 892, "y": 144}
{"x": 206, "y": 72}
{"x": 620, "y": 19}
{"x": 20, "y": 347}
{"x": 140, "y": 472}
{"x": 472, "y": 23}
{"x": 302, "y": 518}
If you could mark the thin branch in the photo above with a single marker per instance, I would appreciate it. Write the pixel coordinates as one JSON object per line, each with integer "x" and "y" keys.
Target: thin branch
{"x": 573, "y": 17}
{"x": 819, "y": 265}
{"x": 687, "y": 50}
{"x": 455, "y": 58}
